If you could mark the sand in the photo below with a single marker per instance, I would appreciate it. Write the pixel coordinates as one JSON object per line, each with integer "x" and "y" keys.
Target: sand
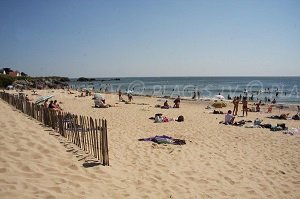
{"x": 218, "y": 161}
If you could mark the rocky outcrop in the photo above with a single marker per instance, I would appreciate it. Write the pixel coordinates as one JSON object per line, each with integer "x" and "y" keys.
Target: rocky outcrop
{"x": 41, "y": 83}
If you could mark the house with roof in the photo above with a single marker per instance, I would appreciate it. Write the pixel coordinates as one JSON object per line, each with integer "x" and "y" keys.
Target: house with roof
{"x": 2, "y": 72}
{"x": 14, "y": 74}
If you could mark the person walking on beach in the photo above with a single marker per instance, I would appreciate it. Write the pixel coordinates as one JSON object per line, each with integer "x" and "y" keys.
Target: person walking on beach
{"x": 129, "y": 97}
{"x": 194, "y": 95}
{"x": 245, "y": 106}
{"x": 198, "y": 94}
{"x": 236, "y": 102}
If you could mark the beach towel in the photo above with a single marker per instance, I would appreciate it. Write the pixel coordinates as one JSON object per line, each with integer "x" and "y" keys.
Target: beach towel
{"x": 276, "y": 128}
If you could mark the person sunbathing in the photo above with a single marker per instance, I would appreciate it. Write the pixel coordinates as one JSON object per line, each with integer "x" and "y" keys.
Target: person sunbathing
{"x": 166, "y": 105}
{"x": 34, "y": 92}
{"x": 283, "y": 116}
{"x": 70, "y": 92}
{"x": 56, "y": 105}
{"x": 101, "y": 104}
{"x": 51, "y": 105}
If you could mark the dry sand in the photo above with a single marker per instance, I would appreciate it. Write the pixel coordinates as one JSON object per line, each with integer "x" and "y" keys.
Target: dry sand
{"x": 218, "y": 161}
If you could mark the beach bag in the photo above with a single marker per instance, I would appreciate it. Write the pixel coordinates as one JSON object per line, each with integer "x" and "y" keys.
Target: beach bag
{"x": 178, "y": 142}
{"x": 180, "y": 118}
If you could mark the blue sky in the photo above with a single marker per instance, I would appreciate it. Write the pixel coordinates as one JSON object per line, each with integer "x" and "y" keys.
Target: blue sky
{"x": 151, "y": 37}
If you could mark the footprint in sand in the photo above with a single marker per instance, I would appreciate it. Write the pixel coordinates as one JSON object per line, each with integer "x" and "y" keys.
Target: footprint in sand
{"x": 229, "y": 180}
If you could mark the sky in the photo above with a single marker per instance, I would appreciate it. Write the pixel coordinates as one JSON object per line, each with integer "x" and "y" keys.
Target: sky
{"x": 141, "y": 38}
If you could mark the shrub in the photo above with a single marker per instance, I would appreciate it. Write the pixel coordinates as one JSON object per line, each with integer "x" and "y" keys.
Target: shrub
{"x": 5, "y": 81}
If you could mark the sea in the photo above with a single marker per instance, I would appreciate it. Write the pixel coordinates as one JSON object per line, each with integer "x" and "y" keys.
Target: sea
{"x": 282, "y": 89}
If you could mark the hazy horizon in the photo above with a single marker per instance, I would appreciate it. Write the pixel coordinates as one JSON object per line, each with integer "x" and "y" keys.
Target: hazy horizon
{"x": 151, "y": 38}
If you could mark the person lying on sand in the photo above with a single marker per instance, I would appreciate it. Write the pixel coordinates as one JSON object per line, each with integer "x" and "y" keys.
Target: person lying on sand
{"x": 34, "y": 92}
{"x": 159, "y": 118}
{"x": 280, "y": 117}
{"x": 70, "y": 92}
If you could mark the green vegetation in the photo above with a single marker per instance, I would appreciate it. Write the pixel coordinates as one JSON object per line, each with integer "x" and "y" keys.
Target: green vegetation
{"x": 6, "y": 80}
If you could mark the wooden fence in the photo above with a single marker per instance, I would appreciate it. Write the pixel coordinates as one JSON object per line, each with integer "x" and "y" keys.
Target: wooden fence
{"x": 87, "y": 133}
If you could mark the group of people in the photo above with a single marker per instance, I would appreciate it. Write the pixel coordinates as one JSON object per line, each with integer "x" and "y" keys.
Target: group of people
{"x": 176, "y": 103}
{"x": 52, "y": 105}
{"x": 129, "y": 95}
{"x": 236, "y": 102}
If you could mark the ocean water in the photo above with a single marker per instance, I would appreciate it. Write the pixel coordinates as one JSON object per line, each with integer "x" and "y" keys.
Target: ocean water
{"x": 283, "y": 89}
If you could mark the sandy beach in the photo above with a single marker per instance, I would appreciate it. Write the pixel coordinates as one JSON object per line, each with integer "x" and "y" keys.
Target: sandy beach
{"x": 218, "y": 161}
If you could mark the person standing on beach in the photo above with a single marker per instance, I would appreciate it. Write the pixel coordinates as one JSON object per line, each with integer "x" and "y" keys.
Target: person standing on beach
{"x": 235, "y": 102}
{"x": 258, "y": 106}
{"x": 245, "y": 106}
{"x": 120, "y": 95}
{"x": 129, "y": 97}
